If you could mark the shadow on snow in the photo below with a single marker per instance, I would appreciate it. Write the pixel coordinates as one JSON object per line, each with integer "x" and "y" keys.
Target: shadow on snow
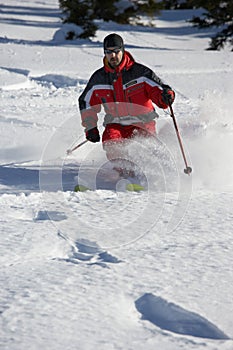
{"x": 171, "y": 317}
{"x": 26, "y": 179}
{"x": 30, "y": 11}
{"x": 88, "y": 252}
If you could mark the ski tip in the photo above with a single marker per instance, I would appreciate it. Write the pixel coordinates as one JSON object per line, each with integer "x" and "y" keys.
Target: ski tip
{"x": 135, "y": 187}
{"x": 81, "y": 188}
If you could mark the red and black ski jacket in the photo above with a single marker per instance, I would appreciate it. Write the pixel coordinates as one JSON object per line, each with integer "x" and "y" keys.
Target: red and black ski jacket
{"x": 126, "y": 91}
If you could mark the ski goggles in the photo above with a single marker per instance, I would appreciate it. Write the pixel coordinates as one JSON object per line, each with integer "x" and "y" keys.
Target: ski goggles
{"x": 116, "y": 50}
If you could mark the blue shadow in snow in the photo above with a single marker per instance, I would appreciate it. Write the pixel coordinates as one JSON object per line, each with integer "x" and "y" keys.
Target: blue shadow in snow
{"x": 19, "y": 178}
{"x": 22, "y": 11}
{"x": 26, "y": 179}
{"x": 171, "y": 317}
{"x": 85, "y": 251}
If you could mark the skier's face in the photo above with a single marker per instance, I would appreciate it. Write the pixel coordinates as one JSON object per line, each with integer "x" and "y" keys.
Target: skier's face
{"x": 114, "y": 56}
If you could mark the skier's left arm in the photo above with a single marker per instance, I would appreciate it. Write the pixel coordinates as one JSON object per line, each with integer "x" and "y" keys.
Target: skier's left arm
{"x": 161, "y": 94}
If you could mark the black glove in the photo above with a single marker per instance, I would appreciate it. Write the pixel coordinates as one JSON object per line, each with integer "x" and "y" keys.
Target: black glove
{"x": 93, "y": 135}
{"x": 168, "y": 95}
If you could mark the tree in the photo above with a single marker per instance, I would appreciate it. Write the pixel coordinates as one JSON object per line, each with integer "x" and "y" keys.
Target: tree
{"x": 176, "y": 4}
{"x": 78, "y": 12}
{"x": 83, "y": 13}
{"x": 219, "y": 14}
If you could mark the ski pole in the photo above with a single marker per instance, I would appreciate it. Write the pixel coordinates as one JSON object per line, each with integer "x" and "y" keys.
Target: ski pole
{"x": 69, "y": 151}
{"x": 188, "y": 169}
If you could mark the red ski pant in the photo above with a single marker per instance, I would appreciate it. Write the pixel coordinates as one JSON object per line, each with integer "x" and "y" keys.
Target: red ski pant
{"x": 115, "y": 135}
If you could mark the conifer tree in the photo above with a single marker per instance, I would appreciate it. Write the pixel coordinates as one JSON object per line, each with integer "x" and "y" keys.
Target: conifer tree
{"x": 79, "y": 12}
{"x": 219, "y": 14}
{"x": 84, "y": 12}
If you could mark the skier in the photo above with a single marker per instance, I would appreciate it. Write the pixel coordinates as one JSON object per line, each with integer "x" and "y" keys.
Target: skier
{"x": 126, "y": 90}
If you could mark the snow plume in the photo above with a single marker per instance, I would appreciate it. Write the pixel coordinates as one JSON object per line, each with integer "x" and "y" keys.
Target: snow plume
{"x": 211, "y": 148}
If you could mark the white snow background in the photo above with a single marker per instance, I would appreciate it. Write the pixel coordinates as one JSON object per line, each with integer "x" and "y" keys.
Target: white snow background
{"x": 111, "y": 269}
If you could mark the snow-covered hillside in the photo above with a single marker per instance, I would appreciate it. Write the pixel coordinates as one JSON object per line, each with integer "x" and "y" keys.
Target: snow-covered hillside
{"x": 111, "y": 269}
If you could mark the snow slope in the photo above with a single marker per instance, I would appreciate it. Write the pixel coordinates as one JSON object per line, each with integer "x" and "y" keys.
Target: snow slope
{"x": 112, "y": 269}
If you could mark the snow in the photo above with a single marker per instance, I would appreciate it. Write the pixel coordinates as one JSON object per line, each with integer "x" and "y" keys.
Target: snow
{"x": 112, "y": 269}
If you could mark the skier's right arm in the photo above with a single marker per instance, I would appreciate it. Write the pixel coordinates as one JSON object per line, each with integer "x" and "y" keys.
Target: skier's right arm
{"x": 89, "y": 105}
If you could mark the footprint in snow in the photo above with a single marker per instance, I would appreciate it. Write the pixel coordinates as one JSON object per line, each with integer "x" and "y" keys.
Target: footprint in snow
{"x": 174, "y": 318}
{"x": 88, "y": 252}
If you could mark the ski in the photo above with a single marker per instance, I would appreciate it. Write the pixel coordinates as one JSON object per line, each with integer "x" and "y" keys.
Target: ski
{"x": 131, "y": 187}
{"x": 118, "y": 175}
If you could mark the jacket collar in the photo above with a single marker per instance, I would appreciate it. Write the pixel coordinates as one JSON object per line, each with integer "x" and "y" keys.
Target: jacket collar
{"x": 126, "y": 63}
